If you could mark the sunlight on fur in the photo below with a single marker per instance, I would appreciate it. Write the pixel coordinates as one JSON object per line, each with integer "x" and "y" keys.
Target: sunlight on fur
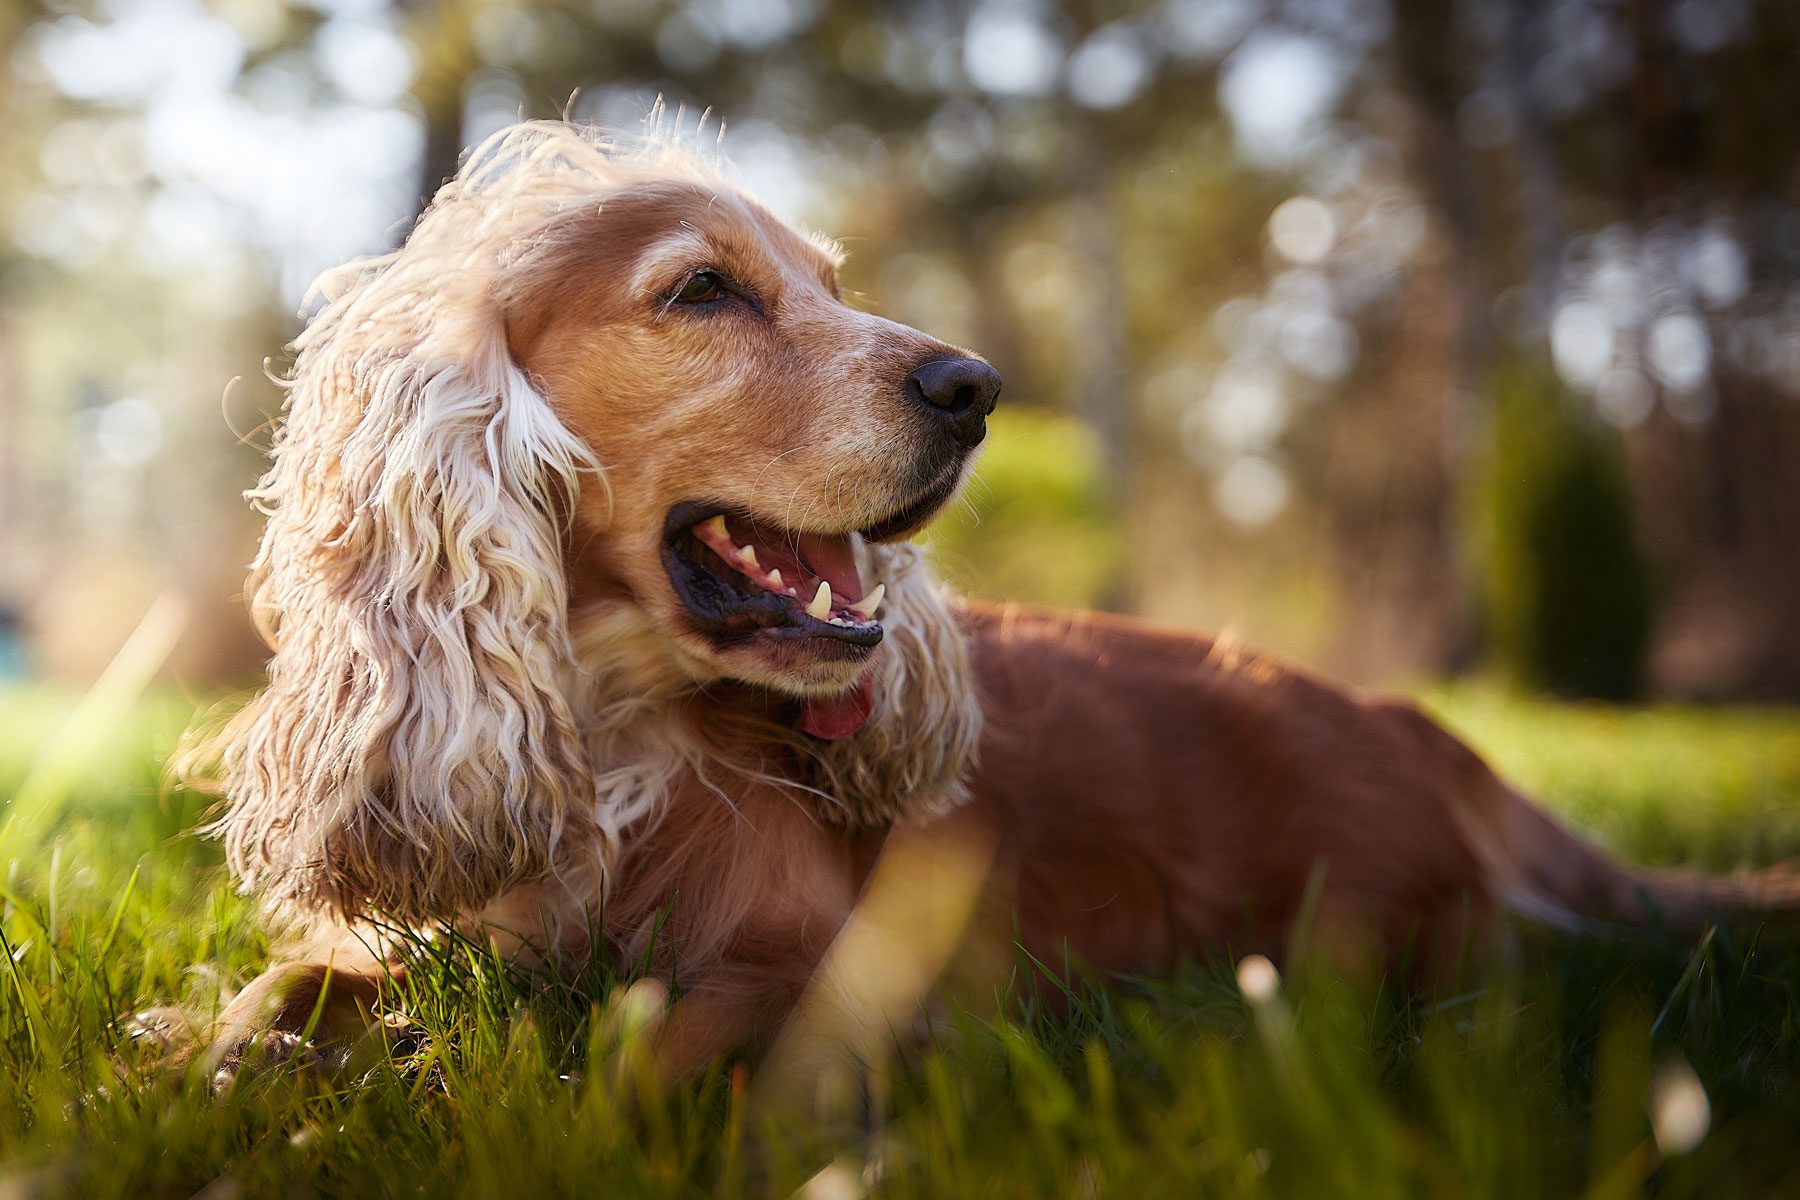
{"x": 436, "y": 729}
{"x": 593, "y": 612}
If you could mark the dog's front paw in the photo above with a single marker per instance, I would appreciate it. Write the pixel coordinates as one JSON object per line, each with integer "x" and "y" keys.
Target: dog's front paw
{"x": 303, "y": 1014}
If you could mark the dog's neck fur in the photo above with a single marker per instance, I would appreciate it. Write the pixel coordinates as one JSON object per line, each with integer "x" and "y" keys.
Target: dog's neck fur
{"x": 650, "y": 723}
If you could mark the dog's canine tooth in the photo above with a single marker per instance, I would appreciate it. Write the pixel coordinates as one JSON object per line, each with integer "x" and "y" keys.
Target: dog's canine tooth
{"x": 868, "y": 605}
{"x": 714, "y": 525}
{"x": 820, "y": 608}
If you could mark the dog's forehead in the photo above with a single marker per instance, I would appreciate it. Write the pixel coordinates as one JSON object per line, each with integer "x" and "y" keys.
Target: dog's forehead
{"x": 605, "y": 258}
{"x": 641, "y": 228}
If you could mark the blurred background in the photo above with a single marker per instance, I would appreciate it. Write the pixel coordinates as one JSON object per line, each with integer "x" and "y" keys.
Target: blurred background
{"x": 1413, "y": 338}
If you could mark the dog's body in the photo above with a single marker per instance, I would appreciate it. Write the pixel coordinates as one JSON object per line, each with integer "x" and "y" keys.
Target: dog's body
{"x": 587, "y": 580}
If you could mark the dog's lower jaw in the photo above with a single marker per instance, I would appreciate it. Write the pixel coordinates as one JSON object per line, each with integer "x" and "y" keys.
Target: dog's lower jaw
{"x": 823, "y": 680}
{"x": 783, "y": 670}
{"x": 625, "y": 652}
{"x": 624, "y": 647}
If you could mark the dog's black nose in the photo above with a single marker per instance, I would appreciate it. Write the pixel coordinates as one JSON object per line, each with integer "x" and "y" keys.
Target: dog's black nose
{"x": 964, "y": 390}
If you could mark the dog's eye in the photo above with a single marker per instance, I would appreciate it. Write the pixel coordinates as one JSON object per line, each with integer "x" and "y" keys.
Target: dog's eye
{"x": 703, "y": 287}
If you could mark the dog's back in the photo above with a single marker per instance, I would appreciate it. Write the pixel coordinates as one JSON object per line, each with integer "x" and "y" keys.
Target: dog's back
{"x": 1160, "y": 795}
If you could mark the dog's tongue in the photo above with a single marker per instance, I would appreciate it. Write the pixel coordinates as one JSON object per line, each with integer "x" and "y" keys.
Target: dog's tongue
{"x": 833, "y": 558}
{"x": 839, "y": 716}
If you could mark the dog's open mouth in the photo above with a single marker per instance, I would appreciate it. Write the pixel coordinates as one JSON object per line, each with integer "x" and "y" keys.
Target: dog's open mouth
{"x": 743, "y": 577}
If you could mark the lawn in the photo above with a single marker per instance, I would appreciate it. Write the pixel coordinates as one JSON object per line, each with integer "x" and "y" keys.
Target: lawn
{"x": 1593, "y": 1068}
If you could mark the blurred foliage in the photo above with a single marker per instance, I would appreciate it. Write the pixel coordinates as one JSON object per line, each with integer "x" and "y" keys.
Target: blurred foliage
{"x": 1034, "y": 521}
{"x": 1281, "y": 257}
{"x": 1712, "y": 787}
{"x": 1568, "y": 595}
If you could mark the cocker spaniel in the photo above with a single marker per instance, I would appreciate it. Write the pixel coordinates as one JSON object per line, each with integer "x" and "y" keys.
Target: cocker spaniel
{"x": 587, "y": 579}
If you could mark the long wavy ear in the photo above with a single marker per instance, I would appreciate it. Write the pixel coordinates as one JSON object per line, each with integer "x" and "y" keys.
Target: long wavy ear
{"x": 414, "y": 753}
{"x": 912, "y": 757}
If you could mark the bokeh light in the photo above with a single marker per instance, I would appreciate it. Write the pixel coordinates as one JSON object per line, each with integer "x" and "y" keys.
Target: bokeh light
{"x": 1286, "y": 262}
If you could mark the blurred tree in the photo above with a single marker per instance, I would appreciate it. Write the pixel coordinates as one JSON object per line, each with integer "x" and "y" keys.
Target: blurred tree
{"x": 1710, "y": 144}
{"x": 22, "y": 119}
{"x": 442, "y": 41}
{"x": 1568, "y": 600}
{"x": 1433, "y": 83}
{"x": 1289, "y": 262}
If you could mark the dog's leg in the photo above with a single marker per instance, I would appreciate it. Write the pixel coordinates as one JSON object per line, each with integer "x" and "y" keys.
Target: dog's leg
{"x": 1548, "y": 873}
{"x": 708, "y": 1023}
{"x": 296, "y": 1004}
{"x": 326, "y": 998}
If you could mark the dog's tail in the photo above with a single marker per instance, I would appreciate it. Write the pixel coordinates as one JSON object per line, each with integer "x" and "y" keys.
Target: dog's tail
{"x": 1547, "y": 872}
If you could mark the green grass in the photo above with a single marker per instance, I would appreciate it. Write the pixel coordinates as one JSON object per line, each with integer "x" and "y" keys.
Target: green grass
{"x": 1541, "y": 1082}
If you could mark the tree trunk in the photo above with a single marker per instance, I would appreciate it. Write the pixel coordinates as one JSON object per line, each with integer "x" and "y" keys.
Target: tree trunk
{"x": 1102, "y": 386}
{"x": 447, "y": 56}
{"x": 1428, "y": 68}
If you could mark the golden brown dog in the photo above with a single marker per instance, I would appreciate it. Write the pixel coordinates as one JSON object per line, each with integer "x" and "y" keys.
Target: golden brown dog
{"x": 587, "y": 582}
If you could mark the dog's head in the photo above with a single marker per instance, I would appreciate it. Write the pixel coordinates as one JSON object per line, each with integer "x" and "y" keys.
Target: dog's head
{"x": 600, "y": 436}
{"x": 757, "y": 432}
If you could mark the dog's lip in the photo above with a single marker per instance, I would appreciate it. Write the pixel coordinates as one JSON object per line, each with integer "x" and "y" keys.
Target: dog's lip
{"x": 909, "y": 518}
{"x": 914, "y": 515}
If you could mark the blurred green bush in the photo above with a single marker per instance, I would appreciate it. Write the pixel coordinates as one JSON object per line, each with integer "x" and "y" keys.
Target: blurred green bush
{"x": 1034, "y": 521}
{"x": 1567, "y": 600}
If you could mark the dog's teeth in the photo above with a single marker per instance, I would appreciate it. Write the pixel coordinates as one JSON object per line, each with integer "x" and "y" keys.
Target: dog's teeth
{"x": 775, "y": 579}
{"x": 868, "y": 605}
{"x": 793, "y": 593}
{"x": 714, "y": 526}
{"x": 747, "y": 554}
{"x": 820, "y": 608}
